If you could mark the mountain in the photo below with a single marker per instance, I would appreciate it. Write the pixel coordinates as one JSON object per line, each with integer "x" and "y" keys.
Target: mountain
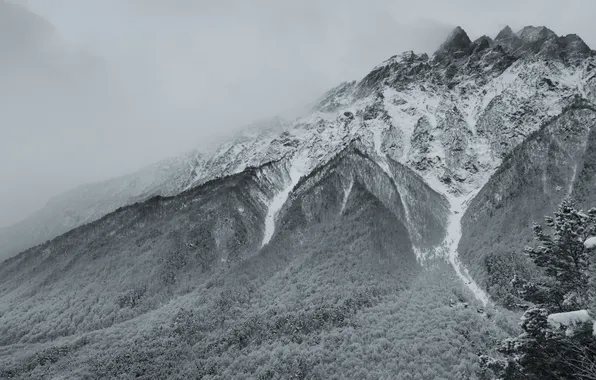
{"x": 359, "y": 241}
{"x": 480, "y": 87}
{"x": 553, "y": 163}
{"x": 90, "y": 202}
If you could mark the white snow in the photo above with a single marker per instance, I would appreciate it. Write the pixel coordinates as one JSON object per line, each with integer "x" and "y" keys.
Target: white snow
{"x": 590, "y": 242}
{"x": 297, "y": 169}
{"x": 570, "y": 320}
{"x": 347, "y": 192}
{"x": 454, "y": 233}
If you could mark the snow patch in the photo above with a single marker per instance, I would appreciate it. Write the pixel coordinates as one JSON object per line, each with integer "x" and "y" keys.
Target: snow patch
{"x": 454, "y": 234}
{"x": 569, "y": 320}
{"x": 298, "y": 168}
{"x": 347, "y": 192}
{"x": 590, "y": 242}
{"x": 574, "y": 169}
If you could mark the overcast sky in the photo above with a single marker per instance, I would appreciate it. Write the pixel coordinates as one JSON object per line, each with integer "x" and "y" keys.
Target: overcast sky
{"x": 155, "y": 78}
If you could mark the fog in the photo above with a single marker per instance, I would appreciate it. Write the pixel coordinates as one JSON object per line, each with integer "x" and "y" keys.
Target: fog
{"x": 107, "y": 87}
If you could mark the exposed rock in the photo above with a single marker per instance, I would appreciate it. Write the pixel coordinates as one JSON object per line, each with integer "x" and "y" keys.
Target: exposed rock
{"x": 457, "y": 45}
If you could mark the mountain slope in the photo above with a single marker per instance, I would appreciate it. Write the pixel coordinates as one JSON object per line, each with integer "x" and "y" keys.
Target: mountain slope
{"x": 188, "y": 275}
{"x": 554, "y": 162}
{"x": 90, "y": 202}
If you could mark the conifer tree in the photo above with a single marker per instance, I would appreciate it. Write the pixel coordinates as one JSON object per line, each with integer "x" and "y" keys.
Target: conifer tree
{"x": 565, "y": 254}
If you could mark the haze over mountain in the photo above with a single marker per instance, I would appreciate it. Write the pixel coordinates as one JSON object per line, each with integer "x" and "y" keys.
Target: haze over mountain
{"x": 163, "y": 80}
{"x": 357, "y": 241}
{"x": 173, "y": 65}
{"x": 51, "y": 92}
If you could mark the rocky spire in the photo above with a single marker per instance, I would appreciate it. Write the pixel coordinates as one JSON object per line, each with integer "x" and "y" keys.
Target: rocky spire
{"x": 504, "y": 34}
{"x": 483, "y": 43}
{"x": 540, "y": 40}
{"x": 508, "y": 40}
{"x": 457, "y": 45}
{"x": 570, "y": 47}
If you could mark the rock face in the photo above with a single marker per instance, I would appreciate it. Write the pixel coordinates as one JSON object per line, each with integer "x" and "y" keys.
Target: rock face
{"x": 457, "y": 45}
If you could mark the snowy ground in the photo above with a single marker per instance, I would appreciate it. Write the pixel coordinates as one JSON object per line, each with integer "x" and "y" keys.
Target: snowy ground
{"x": 458, "y": 206}
{"x": 454, "y": 233}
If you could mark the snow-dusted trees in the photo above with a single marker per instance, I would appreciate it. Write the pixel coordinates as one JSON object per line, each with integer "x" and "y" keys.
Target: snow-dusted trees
{"x": 557, "y": 340}
{"x": 565, "y": 258}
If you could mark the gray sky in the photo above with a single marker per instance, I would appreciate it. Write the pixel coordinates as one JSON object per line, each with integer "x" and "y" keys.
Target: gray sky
{"x": 145, "y": 79}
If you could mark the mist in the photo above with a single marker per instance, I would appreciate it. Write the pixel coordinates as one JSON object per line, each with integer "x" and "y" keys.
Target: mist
{"x": 103, "y": 88}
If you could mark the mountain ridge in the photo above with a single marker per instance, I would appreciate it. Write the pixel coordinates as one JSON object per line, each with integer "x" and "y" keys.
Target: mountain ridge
{"x": 482, "y": 69}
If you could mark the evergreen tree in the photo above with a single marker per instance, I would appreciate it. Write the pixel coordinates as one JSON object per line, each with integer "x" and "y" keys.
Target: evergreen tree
{"x": 563, "y": 255}
{"x": 544, "y": 351}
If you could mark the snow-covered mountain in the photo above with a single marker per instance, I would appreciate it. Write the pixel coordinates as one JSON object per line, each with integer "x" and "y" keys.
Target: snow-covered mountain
{"x": 451, "y": 118}
{"x": 325, "y": 247}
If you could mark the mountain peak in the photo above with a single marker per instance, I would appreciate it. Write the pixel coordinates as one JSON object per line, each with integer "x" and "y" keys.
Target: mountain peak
{"x": 505, "y": 33}
{"x": 530, "y": 34}
{"x": 456, "y": 45}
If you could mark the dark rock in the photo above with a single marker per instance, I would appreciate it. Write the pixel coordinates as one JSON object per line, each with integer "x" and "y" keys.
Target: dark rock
{"x": 457, "y": 45}
{"x": 482, "y": 44}
{"x": 504, "y": 34}
{"x": 533, "y": 34}
{"x": 508, "y": 40}
{"x": 573, "y": 47}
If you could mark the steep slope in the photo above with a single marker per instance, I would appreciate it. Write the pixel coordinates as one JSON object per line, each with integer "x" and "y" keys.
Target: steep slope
{"x": 180, "y": 286}
{"x": 554, "y": 162}
{"x": 90, "y": 202}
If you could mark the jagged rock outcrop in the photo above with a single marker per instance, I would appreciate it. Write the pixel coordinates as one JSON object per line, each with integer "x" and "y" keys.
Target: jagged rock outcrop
{"x": 457, "y": 45}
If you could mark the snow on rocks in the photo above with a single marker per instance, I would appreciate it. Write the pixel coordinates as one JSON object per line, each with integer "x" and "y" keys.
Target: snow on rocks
{"x": 385, "y": 112}
{"x": 454, "y": 234}
{"x": 347, "y": 192}
{"x": 298, "y": 167}
{"x": 569, "y": 320}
